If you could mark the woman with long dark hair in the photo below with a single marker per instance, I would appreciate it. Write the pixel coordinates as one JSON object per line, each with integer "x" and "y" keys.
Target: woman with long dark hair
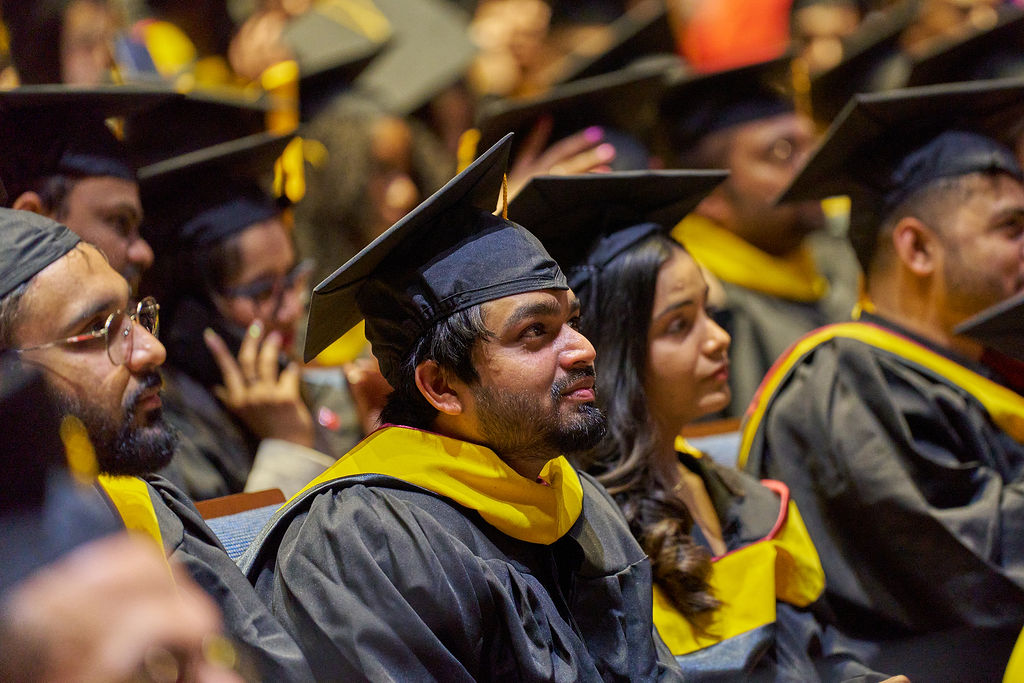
{"x": 736, "y": 576}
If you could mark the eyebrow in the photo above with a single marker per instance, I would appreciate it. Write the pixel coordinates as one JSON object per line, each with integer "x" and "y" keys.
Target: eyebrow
{"x": 108, "y": 305}
{"x": 671, "y": 308}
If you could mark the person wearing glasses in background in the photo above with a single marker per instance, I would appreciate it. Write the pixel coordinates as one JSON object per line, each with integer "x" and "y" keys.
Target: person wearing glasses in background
{"x": 233, "y": 293}
{"x": 66, "y": 312}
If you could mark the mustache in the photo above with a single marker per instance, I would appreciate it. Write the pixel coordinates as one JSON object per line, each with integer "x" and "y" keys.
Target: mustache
{"x": 147, "y": 381}
{"x": 573, "y": 376}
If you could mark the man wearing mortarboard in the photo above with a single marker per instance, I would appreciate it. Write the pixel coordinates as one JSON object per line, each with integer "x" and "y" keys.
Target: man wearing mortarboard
{"x": 456, "y": 542}
{"x": 65, "y": 311}
{"x": 781, "y": 275}
{"x": 904, "y": 451}
{"x": 61, "y": 160}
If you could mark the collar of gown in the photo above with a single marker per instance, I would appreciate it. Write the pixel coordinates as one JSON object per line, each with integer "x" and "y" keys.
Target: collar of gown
{"x": 473, "y": 476}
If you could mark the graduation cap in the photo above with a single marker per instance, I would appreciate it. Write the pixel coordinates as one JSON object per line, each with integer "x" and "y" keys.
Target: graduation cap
{"x": 193, "y": 121}
{"x": 202, "y": 197}
{"x": 28, "y": 243}
{"x": 624, "y": 101}
{"x": 999, "y": 327}
{"x": 585, "y": 221}
{"x": 885, "y": 146}
{"x": 872, "y": 62}
{"x": 429, "y": 50}
{"x": 696, "y": 105}
{"x": 330, "y": 56}
{"x": 448, "y": 254}
{"x": 994, "y": 52}
{"x": 48, "y": 130}
{"x": 644, "y": 29}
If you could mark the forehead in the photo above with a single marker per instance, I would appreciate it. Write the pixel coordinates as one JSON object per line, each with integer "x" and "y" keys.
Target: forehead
{"x": 106, "y": 191}
{"x": 264, "y": 248}
{"x": 679, "y": 274}
{"x": 80, "y": 279}
{"x": 498, "y": 311}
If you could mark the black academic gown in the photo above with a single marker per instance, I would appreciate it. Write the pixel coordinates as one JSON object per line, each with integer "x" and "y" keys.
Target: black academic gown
{"x": 379, "y": 579}
{"x": 912, "y": 493}
{"x": 190, "y": 542}
{"x": 795, "y": 640}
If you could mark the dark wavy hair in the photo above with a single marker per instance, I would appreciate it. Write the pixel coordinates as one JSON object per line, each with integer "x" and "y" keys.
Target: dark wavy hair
{"x": 622, "y": 296}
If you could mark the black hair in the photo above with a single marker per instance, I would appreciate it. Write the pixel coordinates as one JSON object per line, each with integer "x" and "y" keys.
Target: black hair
{"x": 450, "y": 343}
{"x": 932, "y": 204}
{"x": 616, "y": 312}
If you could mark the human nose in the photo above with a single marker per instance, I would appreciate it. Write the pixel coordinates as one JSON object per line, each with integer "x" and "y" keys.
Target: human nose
{"x": 576, "y": 350}
{"x": 289, "y": 306}
{"x": 717, "y": 339}
{"x": 146, "y": 352}
{"x": 140, "y": 253}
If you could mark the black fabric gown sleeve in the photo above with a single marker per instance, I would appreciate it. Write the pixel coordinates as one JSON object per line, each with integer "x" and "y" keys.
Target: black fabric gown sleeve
{"x": 381, "y": 584}
{"x": 914, "y": 499}
{"x": 247, "y": 619}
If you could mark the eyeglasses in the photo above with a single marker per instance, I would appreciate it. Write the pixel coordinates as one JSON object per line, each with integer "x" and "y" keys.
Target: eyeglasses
{"x": 117, "y": 330}
{"x": 272, "y": 289}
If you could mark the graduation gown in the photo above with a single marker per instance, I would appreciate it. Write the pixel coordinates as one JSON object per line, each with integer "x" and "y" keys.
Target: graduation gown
{"x": 770, "y": 302}
{"x": 908, "y": 466}
{"x": 770, "y": 625}
{"x": 156, "y": 508}
{"x": 459, "y": 570}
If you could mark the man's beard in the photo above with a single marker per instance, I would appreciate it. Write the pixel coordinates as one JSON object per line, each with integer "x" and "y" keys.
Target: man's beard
{"x": 123, "y": 447}
{"x": 513, "y": 422}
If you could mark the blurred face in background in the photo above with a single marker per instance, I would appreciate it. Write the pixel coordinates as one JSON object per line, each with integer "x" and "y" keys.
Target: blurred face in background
{"x": 87, "y": 42}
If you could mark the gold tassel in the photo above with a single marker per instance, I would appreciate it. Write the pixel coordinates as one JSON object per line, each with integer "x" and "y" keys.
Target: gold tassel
{"x": 504, "y": 196}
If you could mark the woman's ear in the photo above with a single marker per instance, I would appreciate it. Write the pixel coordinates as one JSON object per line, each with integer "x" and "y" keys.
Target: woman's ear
{"x": 435, "y": 387}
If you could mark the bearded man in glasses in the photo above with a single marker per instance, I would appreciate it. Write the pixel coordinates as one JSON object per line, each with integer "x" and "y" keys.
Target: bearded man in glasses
{"x": 64, "y": 310}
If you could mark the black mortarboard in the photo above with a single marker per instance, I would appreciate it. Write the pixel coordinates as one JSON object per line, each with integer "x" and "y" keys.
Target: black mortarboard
{"x": 696, "y": 105}
{"x": 1000, "y": 327}
{"x": 448, "y": 254}
{"x": 585, "y": 221}
{"x": 28, "y": 243}
{"x": 994, "y": 52}
{"x": 204, "y": 196}
{"x": 625, "y": 101}
{"x": 885, "y": 146}
{"x": 193, "y": 121}
{"x": 644, "y": 29}
{"x": 48, "y": 130}
{"x": 429, "y": 50}
{"x": 872, "y": 62}
{"x": 867, "y": 148}
{"x": 330, "y": 56}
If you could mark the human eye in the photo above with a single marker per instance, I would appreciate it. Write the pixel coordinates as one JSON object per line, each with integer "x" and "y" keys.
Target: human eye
{"x": 574, "y": 322}
{"x": 533, "y": 331}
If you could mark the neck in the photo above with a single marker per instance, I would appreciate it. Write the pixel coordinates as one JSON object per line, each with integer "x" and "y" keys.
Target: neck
{"x": 912, "y": 303}
{"x": 527, "y": 465}
{"x": 526, "y": 457}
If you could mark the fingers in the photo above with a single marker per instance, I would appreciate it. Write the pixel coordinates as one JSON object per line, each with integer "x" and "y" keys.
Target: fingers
{"x": 231, "y": 373}
{"x": 533, "y": 145}
{"x": 249, "y": 351}
{"x": 268, "y": 354}
{"x": 591, "y": 160}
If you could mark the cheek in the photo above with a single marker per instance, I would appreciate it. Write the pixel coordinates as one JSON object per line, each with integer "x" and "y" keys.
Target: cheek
{"x": 238, "y": 312}
{"x": 670, "y": 372}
